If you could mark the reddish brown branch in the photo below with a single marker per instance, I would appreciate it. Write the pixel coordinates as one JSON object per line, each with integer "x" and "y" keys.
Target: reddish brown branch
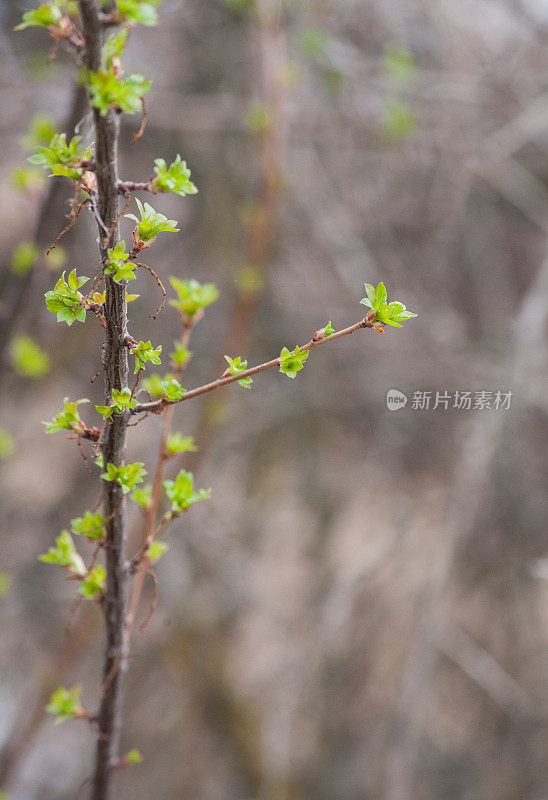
{"x": 75, "y": 215}
{"x": 160, "y": 284}
{"x": 141, "y": 130}
{"x": 157, "y": 406}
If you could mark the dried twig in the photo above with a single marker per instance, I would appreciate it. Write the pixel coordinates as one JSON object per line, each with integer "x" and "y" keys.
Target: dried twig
{"x": 75, "y": 215}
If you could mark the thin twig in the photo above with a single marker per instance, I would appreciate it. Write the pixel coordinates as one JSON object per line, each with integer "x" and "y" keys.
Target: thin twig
{"x": 143, "y": 122}
{"x": 136, "y": 384}
{"x": 134, "y": 186}
{"x": 84, "y": 458}
{"x": 75, "y": 215}
{"x": 160, "y": 284}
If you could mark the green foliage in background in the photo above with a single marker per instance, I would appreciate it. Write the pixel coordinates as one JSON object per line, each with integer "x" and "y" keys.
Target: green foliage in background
{"x": 28, "y": 358}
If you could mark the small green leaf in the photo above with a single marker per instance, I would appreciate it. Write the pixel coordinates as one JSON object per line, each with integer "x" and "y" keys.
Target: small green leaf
{"x": 117, "y": 267}
{"x": 137, "y": 11}
{"x": 108, "y": 91}
{"x": 235, "y": 366}
{"x": 66, "y": 301}
{"x": 181, "y": 492}
{"x": 386, "y": 313}
{"x": 192, "y": 296}
{"x": 291, "y": 363}
{"x": 28, "y": 358}
{"x": 114, "y": 46}
{"x": 67, "y": 419}
{"x": 380, "y": 294}
{"x": 142, "y": 496}
{"x": 62, "y": 158}
{"x": 173, "y": 390}
{"x": 93, "y": 585}
{"x": 177, "y": 443}
{"x": 48, "y": 15}
{"x": 65, "y": 704}
{"x": 154, "y": 385}
{"x": 64, "y": 554}
{"x": 180, "y": 356}
{"x": 151, "y": 222}
{"x": 156, "y": 551}
{"x": 175, "y": 178}
{"x": 120, "y": 401}
{"x": 144, "y": 352}
{"x": 127, "y": 475}
{"x": 90, "y": 526}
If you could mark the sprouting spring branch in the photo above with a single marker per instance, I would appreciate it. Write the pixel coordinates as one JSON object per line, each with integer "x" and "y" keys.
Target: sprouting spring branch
{"x": 157, "y": 406}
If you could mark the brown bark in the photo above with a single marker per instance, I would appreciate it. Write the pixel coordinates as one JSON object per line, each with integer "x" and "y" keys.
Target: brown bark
{"x": 116, "y": 377}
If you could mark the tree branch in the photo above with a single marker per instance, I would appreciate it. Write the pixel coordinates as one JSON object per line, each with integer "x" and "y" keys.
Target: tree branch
{"x": 116, "y": 377}
{"x": 157, "y": 406}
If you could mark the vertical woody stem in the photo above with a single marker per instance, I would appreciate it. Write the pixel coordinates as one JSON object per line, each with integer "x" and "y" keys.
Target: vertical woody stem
{"x": 116, "y": 372}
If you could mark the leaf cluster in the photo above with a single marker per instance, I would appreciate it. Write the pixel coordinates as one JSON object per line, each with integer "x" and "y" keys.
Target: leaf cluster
{"x": 175, "y": 178}
{"x": 177, "y": 443}
{"x": 67, "y": 419}
{"x": 117, "y": 267}
{"x": 156, "y": 551}
{"x": 66, "y": 301}
{"x": 64, "y": 554}
{"x": 291, "y": 363}
{"x": 235, "y": 366}
{"x": 192, "y": 296}
{"x": 144, "y": 352}
{"x": 93, "y": 585}
{"x": 140, "y": 12}
{"x": 181, "y": 355}
{"x": 142, "y": 496}
{"x": 181, "y": 492}
{"x": 126, "y": 475}
{"x": 65, "y": 704}
{"x": 107, "y": 91}
{"x": 62, "y": 158}
{"x": 114, "y": 46}
{"x": 90, "y": 526}
{"x": 48, "y": 15}
{"x": 120, "y": 401}
{"x": 393, "y": 313}
{"x": 151, "y": 223}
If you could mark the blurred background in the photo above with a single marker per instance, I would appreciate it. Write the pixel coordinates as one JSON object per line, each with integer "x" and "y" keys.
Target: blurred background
{"x": 360, "y": 611}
